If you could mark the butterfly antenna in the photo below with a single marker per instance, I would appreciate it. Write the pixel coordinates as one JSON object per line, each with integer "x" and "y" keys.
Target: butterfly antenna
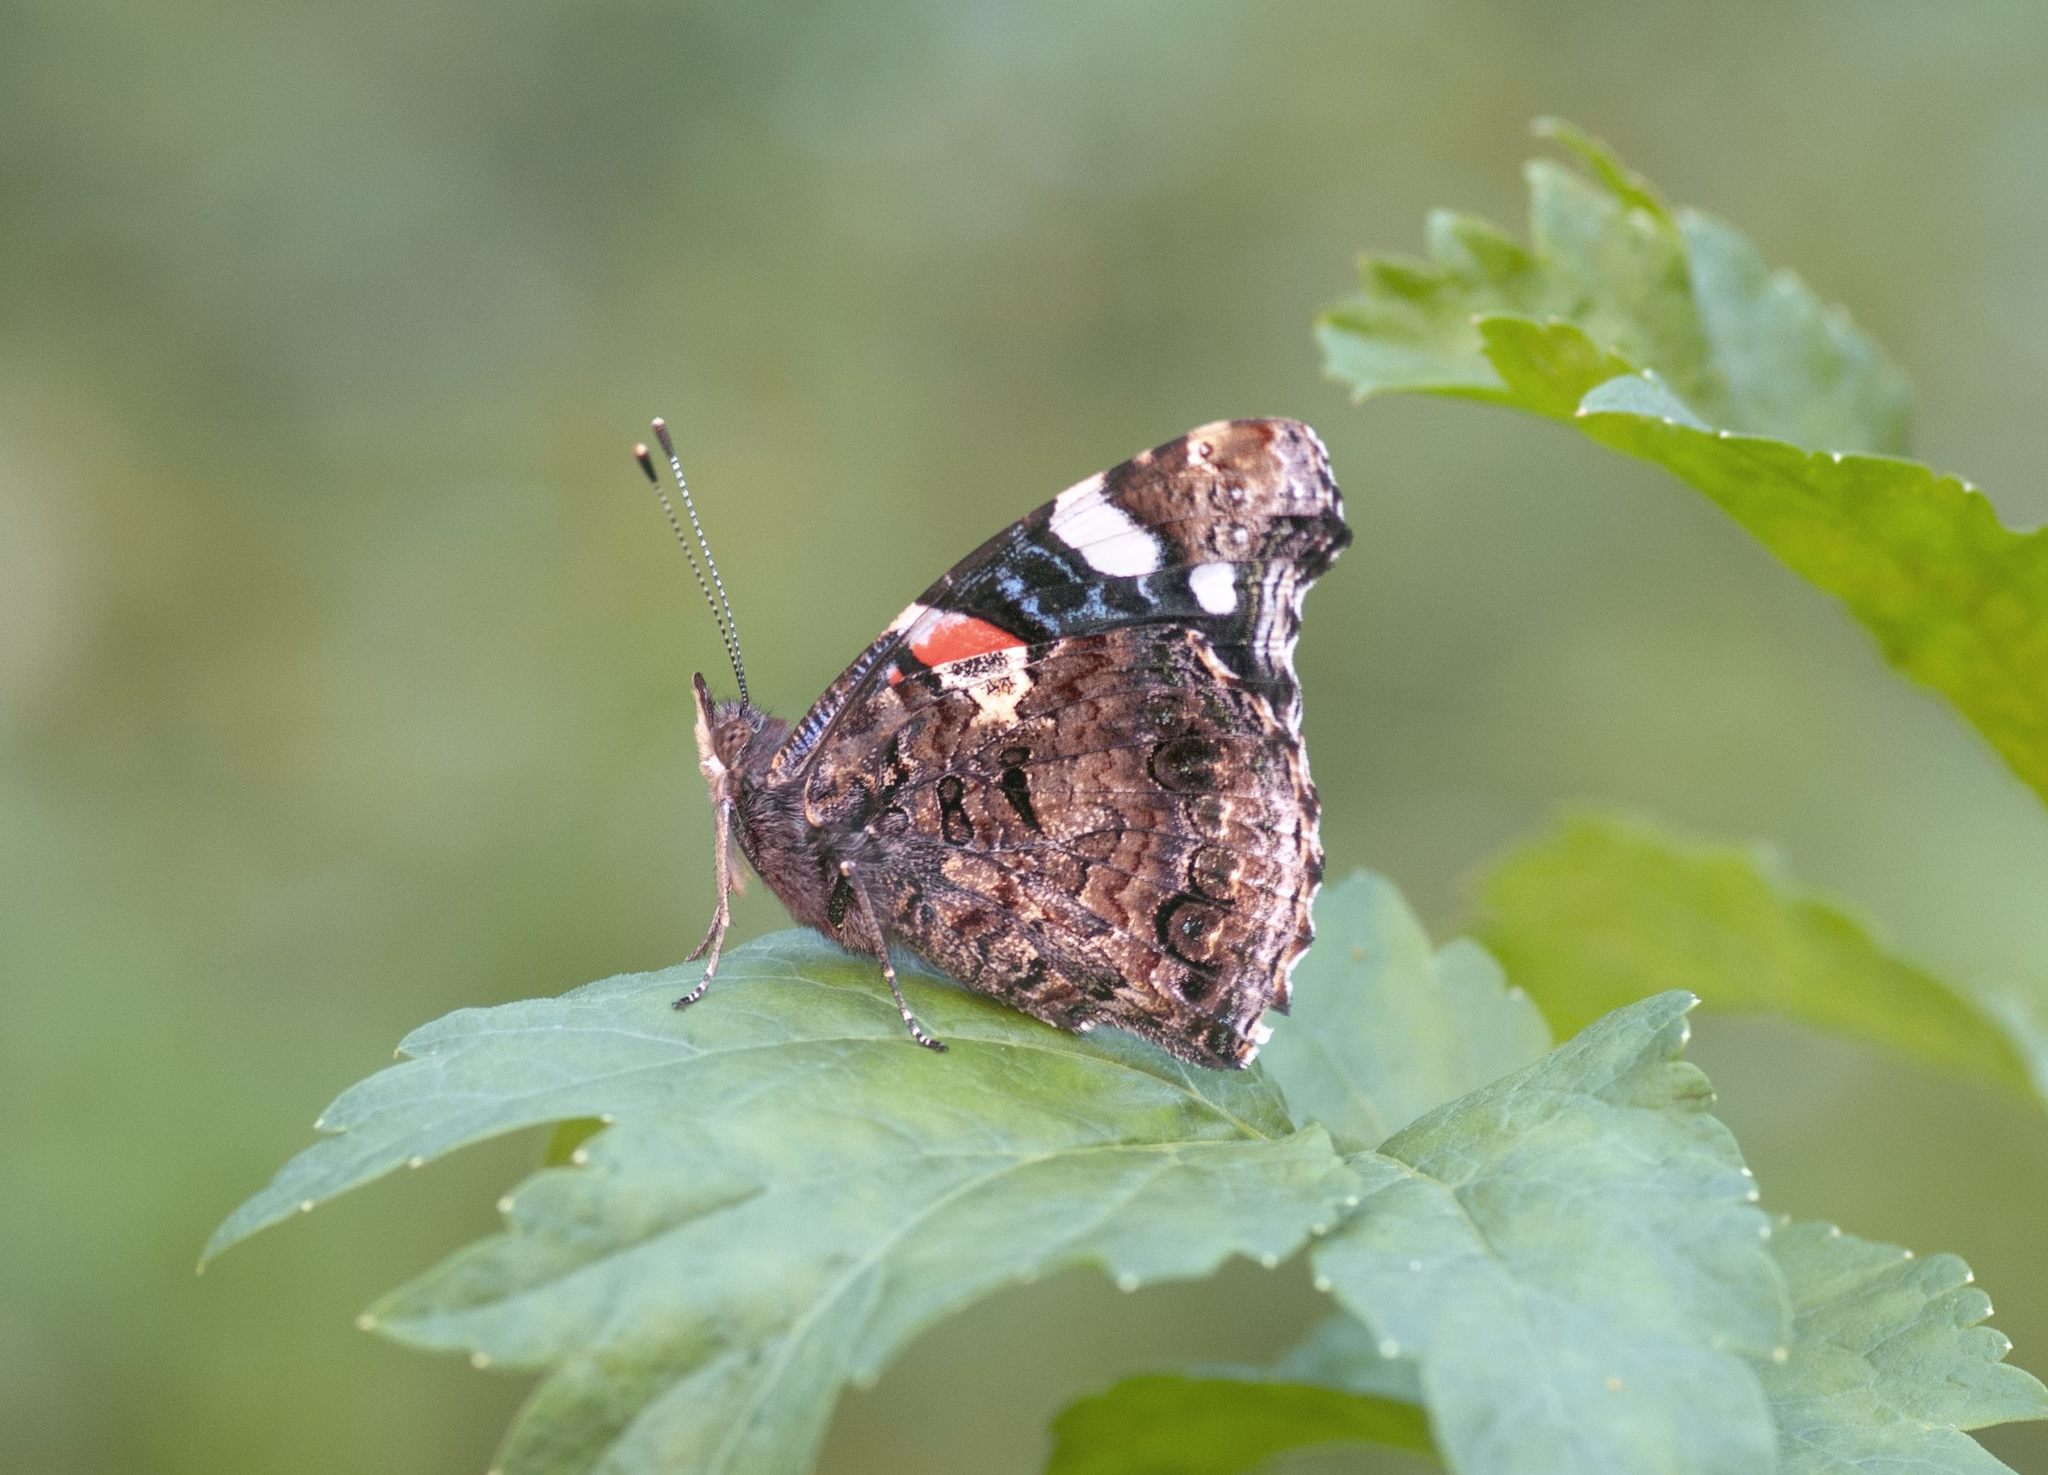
{"x": 721, "y": 607}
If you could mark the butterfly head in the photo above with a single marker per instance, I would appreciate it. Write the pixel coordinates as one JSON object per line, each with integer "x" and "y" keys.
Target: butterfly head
{"x": 733, "y": 737}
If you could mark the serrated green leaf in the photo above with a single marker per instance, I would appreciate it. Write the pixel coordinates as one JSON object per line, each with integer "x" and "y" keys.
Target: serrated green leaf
{"x": 1583, "y": 913}
{"x": 1887, "y": 1365}
{"x": 1677, "y": 292}
{"x": 1664, "y": 335}
{"x": 1384, "y": 1027}
{"x": 1572, "y": 1259}
{"x": 787, "y": 1190}
{"x": 1955, "y": 599}
{"x": 1888, "y": 1362}
{"x": 1341, "y": 1353}
{"x": 1171, "y": 1424}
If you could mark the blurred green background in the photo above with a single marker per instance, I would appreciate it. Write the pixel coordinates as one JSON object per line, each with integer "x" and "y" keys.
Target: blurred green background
{"x": 343, "y": 657}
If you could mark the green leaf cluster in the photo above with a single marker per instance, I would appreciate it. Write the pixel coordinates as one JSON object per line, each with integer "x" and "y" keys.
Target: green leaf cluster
{"x": 781, "y": 1192}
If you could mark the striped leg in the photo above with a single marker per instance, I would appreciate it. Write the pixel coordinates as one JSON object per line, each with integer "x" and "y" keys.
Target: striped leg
{"x": 721, "y": 916}
{"x": 874, "y": 921}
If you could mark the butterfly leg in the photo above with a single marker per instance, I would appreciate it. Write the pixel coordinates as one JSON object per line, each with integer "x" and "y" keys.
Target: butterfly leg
{"x": 721, "y": 915}
{"x": 874, "y": 921}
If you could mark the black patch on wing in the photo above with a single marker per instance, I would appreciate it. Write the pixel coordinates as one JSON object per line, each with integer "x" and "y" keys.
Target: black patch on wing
{"x": 1017, "y": 787}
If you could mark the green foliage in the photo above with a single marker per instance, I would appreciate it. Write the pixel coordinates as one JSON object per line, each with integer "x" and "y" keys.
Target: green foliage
{"x": 1171, "y": 1424}
{"x": 1888, "y": 1362}
{"x": 1886, "y": 1365}
{"x": 1560, "y": 1263}
{"x": 1662, "y": 334}
{"x": 1574, "y": 1258}
{"x": 1584, "y": 914}
{"x": 1334, "y": 1388}
{"x": 786, "y": 1191}
{"x": 1384, "y": 1029}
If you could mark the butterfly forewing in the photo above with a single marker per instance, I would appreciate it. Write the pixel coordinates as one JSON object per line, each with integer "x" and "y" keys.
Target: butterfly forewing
{"x": 1220, "y": 531}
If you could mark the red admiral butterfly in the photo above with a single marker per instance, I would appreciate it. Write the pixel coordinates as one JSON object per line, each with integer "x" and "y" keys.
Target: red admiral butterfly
{"x": 1071, "y": 774}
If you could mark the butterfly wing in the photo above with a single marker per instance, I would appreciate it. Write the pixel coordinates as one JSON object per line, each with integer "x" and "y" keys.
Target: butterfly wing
{"x": 1073, "y": 770}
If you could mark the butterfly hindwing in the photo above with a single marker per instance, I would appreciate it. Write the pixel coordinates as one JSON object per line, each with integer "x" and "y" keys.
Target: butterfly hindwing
{"x": 1110, "y": 828}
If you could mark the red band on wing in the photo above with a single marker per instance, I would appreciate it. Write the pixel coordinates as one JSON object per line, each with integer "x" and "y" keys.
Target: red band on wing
{"x": 955, "y": 637}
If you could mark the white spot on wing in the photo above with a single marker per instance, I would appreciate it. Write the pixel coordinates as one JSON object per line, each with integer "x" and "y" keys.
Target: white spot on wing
{"x": 910, "y": 616}
{"x": 1214, "y": 586}
{"x": 1102, "y": 533}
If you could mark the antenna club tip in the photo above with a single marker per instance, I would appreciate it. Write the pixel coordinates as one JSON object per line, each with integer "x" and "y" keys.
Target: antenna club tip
{"x": 659, "y": 424}
{"x": 646, "y": 462}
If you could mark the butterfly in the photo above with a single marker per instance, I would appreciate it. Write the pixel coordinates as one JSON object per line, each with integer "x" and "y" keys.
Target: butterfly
{"x": 1070, "y": 774}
